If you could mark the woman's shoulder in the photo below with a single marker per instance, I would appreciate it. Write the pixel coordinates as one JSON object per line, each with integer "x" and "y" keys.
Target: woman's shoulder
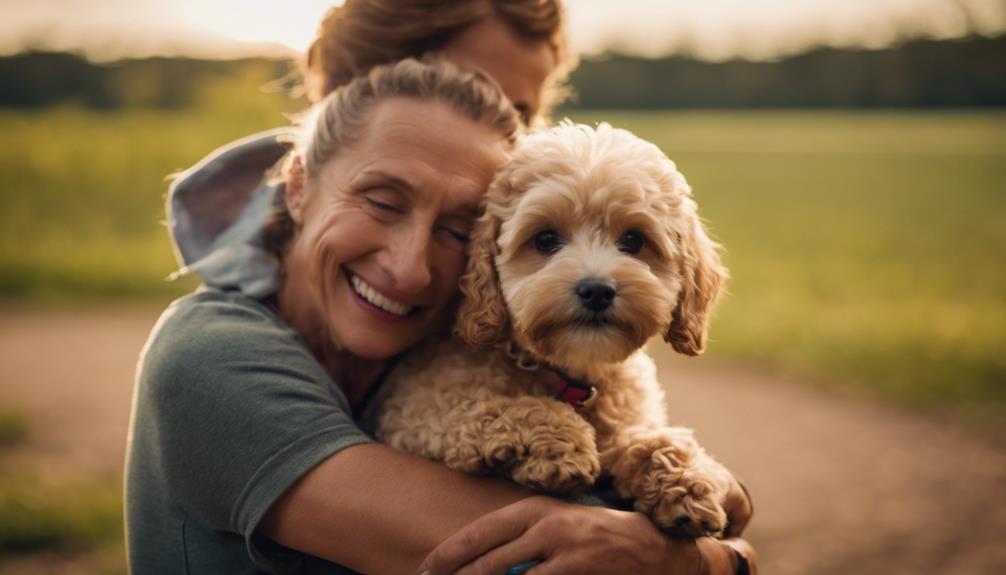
{"x": 210, "y": 331}
{"x": 211, "y": 311}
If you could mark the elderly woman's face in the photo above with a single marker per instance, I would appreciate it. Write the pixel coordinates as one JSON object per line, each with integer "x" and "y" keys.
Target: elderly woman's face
{"x": 384, "y": 226}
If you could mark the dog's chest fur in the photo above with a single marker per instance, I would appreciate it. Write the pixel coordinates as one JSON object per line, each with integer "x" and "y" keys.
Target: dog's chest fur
{"x": 446, "y": 379}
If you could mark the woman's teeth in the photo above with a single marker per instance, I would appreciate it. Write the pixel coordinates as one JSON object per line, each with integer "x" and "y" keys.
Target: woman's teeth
{"x": 368, "y": 293}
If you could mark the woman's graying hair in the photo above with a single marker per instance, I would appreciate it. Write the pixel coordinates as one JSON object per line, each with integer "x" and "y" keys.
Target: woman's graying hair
{"x": 361, "y": 34}
{"x": 342, "y": 117}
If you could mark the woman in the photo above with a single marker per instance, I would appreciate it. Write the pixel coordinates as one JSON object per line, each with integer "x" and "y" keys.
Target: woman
{"x": 355, "y": 478}
{"x": 243, "y": 447}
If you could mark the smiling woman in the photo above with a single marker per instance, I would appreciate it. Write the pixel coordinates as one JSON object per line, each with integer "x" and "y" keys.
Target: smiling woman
{"x": 382, "y": 227}
{"x": 258, "y": 394}
{"x": 247, "y": 449}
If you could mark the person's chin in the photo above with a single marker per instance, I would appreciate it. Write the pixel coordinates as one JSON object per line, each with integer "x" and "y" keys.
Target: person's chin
{"x": 378, "y": 346}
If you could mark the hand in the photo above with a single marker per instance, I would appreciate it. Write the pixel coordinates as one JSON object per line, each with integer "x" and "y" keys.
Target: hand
{"x": 739, "y": 508}
{"x": 578, "y": 539}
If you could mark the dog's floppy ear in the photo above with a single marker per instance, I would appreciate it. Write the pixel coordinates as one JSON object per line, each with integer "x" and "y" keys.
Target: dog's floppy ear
{"x": 482, "y": 318}
{"x": 703, "y": 278}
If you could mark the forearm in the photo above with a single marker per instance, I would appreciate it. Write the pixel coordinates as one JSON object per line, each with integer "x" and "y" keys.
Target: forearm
{"x": 377, "y": 510}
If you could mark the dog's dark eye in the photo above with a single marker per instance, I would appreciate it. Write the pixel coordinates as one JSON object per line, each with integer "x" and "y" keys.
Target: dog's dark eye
{"x": 631, "y": 242}
{"x": 547, "y": 242}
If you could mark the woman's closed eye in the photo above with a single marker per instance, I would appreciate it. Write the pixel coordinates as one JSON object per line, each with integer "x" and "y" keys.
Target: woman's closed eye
{"x": 384, "y": 203}
{"x": 455, "y": 236}
{"x": 384, "y": 206}
{"x": 459, "y": 235}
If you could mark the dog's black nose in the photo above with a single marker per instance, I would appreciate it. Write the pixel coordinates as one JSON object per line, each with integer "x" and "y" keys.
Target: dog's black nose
{"x": 596, "y": 294}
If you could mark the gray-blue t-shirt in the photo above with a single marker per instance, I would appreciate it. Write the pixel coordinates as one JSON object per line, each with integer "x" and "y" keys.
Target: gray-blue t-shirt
{"x": 230, "y": 409}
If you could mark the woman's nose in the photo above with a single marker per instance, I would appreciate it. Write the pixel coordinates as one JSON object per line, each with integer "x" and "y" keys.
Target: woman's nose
{"x": 408, "y": 262}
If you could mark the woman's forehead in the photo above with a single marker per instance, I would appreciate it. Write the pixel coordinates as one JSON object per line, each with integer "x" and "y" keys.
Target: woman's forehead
{"x": 422, "y": 148}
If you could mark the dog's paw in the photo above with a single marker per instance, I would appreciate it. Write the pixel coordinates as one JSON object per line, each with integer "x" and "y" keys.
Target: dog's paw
{"x": 691, "y": 509}
{"x": 557, "y": 466}
{"x": 466, "y": 458}
{"x": 690, "y": 503}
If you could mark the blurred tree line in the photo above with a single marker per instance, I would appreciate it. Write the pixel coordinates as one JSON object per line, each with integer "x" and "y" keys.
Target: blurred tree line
{"x": 921, "y": 73}
{"x": 43, "y": 79}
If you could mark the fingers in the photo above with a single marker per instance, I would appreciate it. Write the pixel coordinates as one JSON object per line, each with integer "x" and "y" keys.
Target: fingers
{"x": 748, "y": 559}
{"x": 739, "y": 508}
{"x": 726, "y": 557}
{"x": 507, "y": 556}
{"x": 716, "y": 557}
{"x": 483, "y": 535}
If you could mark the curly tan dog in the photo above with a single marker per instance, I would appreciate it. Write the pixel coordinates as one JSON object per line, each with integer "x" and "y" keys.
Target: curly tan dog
{"x": 590, "y": 245}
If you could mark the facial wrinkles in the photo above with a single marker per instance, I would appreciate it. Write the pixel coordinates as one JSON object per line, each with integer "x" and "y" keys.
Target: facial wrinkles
{"x": 433, "y": 197}
{"x": 323, "y": 273}
{"x": 435, "y": 162}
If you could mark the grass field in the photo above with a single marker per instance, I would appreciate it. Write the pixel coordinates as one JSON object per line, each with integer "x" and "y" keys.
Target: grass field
{"x": 865, "y": 248}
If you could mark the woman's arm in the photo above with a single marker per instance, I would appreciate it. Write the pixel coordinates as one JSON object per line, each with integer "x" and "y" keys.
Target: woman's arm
{"x": 564, "y": 538}
{"x": 377, "y": 510}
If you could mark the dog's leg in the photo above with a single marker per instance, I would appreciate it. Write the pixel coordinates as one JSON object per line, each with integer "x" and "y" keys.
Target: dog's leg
{"x": 538, "y": 442}
{"x": 670, "y": 478}
{"x": 663, "y": 469}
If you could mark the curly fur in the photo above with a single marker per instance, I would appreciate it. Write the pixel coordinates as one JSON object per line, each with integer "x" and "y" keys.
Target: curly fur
{"x": 465, "y": 401}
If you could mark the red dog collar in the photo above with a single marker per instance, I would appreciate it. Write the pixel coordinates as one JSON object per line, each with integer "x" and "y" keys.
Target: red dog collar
{"x": 565, "y": 388}
{"x": 572, "y": 391}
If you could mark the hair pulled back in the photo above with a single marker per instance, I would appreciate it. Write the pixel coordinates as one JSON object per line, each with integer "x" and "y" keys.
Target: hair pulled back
{"x": 341, "y": 118}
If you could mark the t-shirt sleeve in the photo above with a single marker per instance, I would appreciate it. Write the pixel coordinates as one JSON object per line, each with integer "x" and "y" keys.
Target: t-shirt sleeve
{"x": 240, "y": 407}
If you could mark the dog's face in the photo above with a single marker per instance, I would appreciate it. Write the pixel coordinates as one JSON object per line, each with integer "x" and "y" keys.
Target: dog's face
{"x": 590, "y": 245}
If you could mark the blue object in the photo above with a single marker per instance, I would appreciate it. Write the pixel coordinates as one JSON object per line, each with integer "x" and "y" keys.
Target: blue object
{"x": 522, "y": 568}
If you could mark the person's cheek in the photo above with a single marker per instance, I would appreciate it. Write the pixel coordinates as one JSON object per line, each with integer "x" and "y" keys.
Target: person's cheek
{"x": 451, "y": 264}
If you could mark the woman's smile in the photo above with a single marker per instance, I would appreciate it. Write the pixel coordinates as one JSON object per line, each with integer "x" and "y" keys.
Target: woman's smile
{"x": 373, "y": 301}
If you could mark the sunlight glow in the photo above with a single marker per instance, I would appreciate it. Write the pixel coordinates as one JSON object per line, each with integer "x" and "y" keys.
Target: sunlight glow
{"x": 292, "y": 24}
{"x": 710, "y": 29}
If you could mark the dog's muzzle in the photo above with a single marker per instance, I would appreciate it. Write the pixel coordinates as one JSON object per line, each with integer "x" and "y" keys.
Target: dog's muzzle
{"x": 596, "y": 294}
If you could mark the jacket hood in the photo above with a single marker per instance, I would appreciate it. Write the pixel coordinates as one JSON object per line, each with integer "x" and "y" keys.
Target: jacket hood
{"x": 216, "y": 211}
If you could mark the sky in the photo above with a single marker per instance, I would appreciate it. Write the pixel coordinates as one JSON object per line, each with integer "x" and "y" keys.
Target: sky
{"x": 710, "y": 29}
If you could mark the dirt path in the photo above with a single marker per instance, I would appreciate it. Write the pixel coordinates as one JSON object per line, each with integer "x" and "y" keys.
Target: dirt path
{"x": 841, "y": 486}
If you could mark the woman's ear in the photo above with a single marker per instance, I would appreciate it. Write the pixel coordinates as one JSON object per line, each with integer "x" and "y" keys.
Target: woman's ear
{"x": 295, "y": 192}
{"x": 704, "y": 276}
{"x": 482, "y": 318}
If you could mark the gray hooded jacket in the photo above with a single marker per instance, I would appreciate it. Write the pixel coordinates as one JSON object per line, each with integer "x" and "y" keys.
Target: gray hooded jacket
{"x": 216, "y": 211}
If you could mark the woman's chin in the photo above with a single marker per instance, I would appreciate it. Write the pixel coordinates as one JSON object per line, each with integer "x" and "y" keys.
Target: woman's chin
{"x": 377, "y": 347}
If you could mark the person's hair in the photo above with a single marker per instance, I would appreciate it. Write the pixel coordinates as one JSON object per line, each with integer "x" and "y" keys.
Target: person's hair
{"x": 341, "y": 118}
{"x": 361, "y": 34}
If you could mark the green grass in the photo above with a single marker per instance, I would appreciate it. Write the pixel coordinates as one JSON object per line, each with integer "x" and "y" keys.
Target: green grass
{"x": 36, "y": 515}
{"x": 14, "y": 429}
{"x": 866, "y": 248}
